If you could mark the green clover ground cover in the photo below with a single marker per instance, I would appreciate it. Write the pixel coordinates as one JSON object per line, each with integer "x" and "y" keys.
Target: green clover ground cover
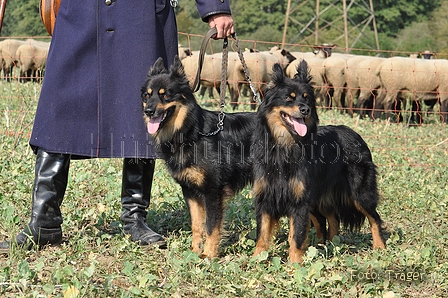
{"x": 96, "y": 260}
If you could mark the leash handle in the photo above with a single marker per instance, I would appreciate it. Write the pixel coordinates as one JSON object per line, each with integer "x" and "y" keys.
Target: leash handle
{"x": 2, "y": 13}
{"x": 225, "y": 58}
{"x": 207, "y": 37}
{"x": 222, "y": 95}
{"x": 197, "y": 80}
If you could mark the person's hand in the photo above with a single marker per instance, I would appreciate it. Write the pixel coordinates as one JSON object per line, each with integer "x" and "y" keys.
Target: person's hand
{"x": 223, "y": 23}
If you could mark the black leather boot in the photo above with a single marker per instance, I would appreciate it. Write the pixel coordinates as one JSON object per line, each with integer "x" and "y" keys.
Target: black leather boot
{"x": 50, "y": 182}
{"x": 135, "y": 197}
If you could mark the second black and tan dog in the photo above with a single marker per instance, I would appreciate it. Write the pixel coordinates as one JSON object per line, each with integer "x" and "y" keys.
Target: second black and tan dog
{"x": 301, "y": 168}
{"x": 210, "y": 164}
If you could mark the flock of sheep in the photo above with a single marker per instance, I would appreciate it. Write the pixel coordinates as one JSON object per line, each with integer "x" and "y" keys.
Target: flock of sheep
{"x": 29, "y": 56}
{"x": 372, "y": 86}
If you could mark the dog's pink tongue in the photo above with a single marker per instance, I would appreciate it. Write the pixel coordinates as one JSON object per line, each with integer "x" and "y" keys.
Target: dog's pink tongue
{"x": 299, "y": 126}
{"x": 153, "y": 124}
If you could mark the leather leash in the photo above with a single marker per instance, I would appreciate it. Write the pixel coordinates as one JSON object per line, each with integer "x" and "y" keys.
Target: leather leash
{"x": 2, "y": 13}
{"x": 225, "y": 58}
{"x": 207, "y": 37}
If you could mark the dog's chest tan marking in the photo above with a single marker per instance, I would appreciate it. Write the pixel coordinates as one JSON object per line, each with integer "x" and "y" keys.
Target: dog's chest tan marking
{"x": 193, "y": 175}
{"x": 179, "y": 115}
{"x": 260, "y": 187}
{"x": 175, "y": 123}
{"x": 297, "y": 188}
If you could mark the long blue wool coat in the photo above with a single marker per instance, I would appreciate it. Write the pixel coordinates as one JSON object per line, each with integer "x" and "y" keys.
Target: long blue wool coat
{"x": 90, "y": 103}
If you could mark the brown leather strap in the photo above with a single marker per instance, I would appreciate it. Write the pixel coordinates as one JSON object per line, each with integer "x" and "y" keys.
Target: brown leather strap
{"x": 2, "y": 12}
{"x": 48, "y": 10}
{"x": 222, "y": 94}
{"x": 207, "y": 37}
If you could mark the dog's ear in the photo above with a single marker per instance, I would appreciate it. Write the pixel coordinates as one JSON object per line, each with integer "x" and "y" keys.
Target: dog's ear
{"x": 157, "y": 68}
{"x": 303, "y": 73}
{"x": 277, "y": 76}
{"x": 177, "y": 68}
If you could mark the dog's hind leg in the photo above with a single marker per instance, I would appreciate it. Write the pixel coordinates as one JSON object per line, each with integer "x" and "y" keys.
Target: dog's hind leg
{"x": 333, "y": 225}
{"x": 320, "y": 224}
{"x": 266, "y": 224}
{"x": 299, "y": 226}
{"x": 197, "y": 214}
{"x": 375, "y": 224}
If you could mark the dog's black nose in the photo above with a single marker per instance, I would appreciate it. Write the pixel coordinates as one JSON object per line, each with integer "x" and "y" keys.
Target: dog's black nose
{"x": 149, "y": 112}
{"x": 304, "y": 110}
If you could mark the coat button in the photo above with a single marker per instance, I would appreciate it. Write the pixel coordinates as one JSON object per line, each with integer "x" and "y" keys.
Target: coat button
{"x": 108, "y": 2}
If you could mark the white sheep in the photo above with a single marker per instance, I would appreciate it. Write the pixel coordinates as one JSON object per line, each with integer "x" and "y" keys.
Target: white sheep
{"x": 369, "y": 84}
{"x": 8, "y": 49}
{"x": 422, "y": 79}
{"x": 352, "y": 80}
{"x": 32, "y": 59}
{"x": 260, "y": 66}
{"x": 333, "y": 70}
{"x": 211, "y": 73}
{"x": 183, "y": 52}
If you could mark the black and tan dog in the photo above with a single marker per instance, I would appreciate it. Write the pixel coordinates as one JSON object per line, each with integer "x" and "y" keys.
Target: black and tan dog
{"x": 301, "y": 170}
{"x": 209, "y": 164}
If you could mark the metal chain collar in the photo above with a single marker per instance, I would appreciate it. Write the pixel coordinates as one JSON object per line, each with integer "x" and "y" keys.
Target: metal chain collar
{"x": 222, "y": 93}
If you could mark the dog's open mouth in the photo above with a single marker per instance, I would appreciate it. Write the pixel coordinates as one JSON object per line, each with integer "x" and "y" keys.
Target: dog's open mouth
{"x": 154, "y": 123}
{"x": 297, "y": 124}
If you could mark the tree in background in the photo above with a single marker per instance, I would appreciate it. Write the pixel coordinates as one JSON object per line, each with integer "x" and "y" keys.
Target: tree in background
{"x": 22, "y": 19}
{"x": 254, "y": 15}
{"x": 263, "y": 20}
{"x": 438, "y": 27}
{"x": 394, "y": 15}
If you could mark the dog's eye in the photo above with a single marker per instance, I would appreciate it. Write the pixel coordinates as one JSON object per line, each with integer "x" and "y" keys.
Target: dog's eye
{"x": 291, "y": 96}
{"x": 162, "y": 94}
{"x": 147, "y": 94}
{"x": 165, "y": 97}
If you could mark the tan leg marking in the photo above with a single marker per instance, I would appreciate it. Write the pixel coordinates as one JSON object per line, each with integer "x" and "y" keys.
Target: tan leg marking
{"x": 295, "y": 253}
{"x": 212, "y": 243}
{"x": 318, "y": 228}
{"x": 268, "y": 225}
{"x": 376, "y": 230}
{"x": 333, "y": 226}
{"x": 197, "y": 213}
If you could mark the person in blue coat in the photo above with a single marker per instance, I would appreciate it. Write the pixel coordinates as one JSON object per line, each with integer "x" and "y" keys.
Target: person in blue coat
{"x": 90, "y": 104}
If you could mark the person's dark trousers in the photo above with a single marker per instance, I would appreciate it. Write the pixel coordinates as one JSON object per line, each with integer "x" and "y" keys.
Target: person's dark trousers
{"x": 50, "y": 182}
{"x": 135, "y": 198}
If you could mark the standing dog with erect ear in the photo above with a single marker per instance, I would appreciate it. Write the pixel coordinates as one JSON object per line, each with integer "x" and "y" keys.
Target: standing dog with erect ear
{"x": 301, "y": 169}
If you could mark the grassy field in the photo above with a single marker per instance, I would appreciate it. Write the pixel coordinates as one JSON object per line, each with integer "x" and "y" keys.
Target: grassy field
{"x": 96, "y": 260}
